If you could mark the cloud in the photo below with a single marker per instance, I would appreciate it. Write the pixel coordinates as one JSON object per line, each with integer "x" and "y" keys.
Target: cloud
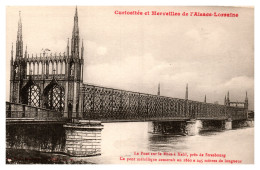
{"x": 241, "y": 82}
{"x": 213, "y": 55}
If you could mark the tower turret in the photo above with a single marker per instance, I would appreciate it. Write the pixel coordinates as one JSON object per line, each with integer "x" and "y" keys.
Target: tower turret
{"x": 228, "y": 101}
{"x": 75, "y": 37}
{"x": 246, "y": 101}
{"x": 12, "y": 53}
{"x": 187, "y": 92}
{"x": 68, "y": 48}
{"x": 82, "y": 50}
{"x": 19, "y": 40}
{"x": 18, "y": 66}
{"x": 25, "y": 53}
{"x": 159, "y": 90}
{"x": 74, "y": 72}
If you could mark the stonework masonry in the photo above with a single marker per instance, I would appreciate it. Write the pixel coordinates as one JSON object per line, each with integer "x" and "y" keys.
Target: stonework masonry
{"x": 190, "y": 128}
{"x": 228, "y": 125}
{"x": 83, "y": 139}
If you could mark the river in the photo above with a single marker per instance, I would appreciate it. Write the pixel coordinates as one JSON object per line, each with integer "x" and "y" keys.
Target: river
{"x": 130, "y": 143}
{"x": 123, "y": 139}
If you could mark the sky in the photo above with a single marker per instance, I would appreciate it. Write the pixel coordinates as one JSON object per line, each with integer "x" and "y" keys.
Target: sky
{"x": 213, "y": 55}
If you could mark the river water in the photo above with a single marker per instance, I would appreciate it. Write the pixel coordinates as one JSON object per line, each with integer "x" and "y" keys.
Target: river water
{"x": 126, "y": 140}
{"x": 130, "y": 143}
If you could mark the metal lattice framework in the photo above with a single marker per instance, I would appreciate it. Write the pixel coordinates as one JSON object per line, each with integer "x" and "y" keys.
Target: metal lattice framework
{"x": 56, "y": 98}
{"x": 34, "y": 96}
{"x": 112, "y": 104}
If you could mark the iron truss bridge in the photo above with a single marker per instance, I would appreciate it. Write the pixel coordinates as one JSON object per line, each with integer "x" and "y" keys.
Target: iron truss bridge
{"x": 108, "y": 105}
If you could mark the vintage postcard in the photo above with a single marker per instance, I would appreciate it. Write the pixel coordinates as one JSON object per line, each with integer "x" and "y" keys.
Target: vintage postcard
{"x": 129, "y": 85}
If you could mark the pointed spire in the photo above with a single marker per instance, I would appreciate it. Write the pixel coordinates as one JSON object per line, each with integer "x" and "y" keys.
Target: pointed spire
{"x": 19, "y": 40}
{"x": 76, "y": 20}
{"x": 12, "y": 52}
{"x": 68, "y": 48}
{"x": 19, "y": 32}
{"x": 75, "y": 36}
{"x": 228, "y": 101}
{"x": 187, "y": 92}
{"x": 205, "y": 99}
{"x": 76, "y": 12}
{"x": 82, "y": 50}
{"x": 246, "y": 102}
{"x": 25, "y": 53}
{"x": 159, "y": 90}
{"x": 225, "y": 100}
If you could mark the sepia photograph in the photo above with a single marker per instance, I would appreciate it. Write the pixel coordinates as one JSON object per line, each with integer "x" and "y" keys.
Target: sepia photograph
{"x": 129, "y": 85}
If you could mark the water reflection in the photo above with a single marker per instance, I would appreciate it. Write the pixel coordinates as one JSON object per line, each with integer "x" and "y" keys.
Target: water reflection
{"x": 210, "y": 132}
{"x": 166, "y": 143}
{"x": 123, "y": 139}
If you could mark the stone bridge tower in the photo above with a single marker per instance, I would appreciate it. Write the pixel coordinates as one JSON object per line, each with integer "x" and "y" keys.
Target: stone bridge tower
{"x": 50, "y": 81}
{"x": 17, "y": 66}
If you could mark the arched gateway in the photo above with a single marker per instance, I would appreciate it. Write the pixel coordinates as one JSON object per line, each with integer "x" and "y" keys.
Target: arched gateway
{"x": 30, "y": 94}
{"x": 47, "y": 80}
{"x": 54, "y": 97}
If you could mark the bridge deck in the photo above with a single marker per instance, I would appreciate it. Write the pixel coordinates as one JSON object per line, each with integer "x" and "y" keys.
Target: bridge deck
{"x": 138, "y": 109}
{"x": 24, "y": 114}
{"x": 115, "y": 105}
{"x": 35, "y": 121}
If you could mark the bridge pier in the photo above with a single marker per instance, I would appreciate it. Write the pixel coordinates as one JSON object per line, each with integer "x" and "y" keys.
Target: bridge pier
{"x": 150, "y": 127}
{"x": 227, "y": 124}
{"x": 189, "y": 128}
{"x": 250, "y": 123}
{"x": 243, "y": 123}
{"x": 83, "y": 139}
{"x": 167, "y": 127}
{"x": 75, "y": 139}
{"x": 216, "y": 124}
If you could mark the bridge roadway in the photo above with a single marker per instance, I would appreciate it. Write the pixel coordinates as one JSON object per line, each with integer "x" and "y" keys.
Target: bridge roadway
{"x": 24, "y": 114}
{"x": 113, "y": 105}
{"x": 46, "y": 130}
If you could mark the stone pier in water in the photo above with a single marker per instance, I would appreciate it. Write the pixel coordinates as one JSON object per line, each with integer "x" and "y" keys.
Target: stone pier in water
{"x": 189, "y": 127}
{"x": 193, "y": 127}
{"x": 82, "y": 138}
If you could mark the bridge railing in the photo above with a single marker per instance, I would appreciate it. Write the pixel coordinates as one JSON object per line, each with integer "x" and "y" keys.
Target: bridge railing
{"x": 209, "y": 110}
{"x": 113, "y": 104}
{"x": 16, "y": 110}
{"x": 107, "y": 103}
{"x": 236, "y": 113}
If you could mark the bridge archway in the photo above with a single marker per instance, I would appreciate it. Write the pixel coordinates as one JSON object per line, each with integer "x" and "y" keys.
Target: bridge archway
{"x": 31, "y": 94}
{"x": 54, "y": 97}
